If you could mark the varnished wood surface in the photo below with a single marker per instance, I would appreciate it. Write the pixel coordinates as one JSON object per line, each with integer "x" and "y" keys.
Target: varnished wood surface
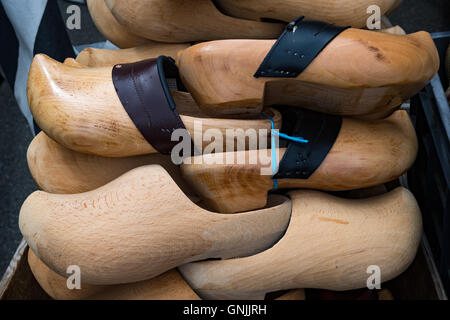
{"x": 366, "y": 153}
{"x": 140, "y": 226}
{"x": 360, "y": 73}
{"x": 79, "y": 108}
{"x": 93, "y": 57}
{"x": 329, "y": 244}
{"x": 186, "y": 21}
{"x": 341, "y": 12}
{"x": 110, "y": 28}
{"x": 56, "y": 169}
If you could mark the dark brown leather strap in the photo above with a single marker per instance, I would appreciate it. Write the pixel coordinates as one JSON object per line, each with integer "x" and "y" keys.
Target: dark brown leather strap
{"x": 143, "y": 89}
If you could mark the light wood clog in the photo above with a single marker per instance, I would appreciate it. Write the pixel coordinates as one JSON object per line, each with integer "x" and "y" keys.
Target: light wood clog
{"x": 366, "y": 153}
{"x": 330, "y": 244}
{"x": 168, "y": 286}
{"x": 56, "y": 169}
{"x": 359, "y": 73}
{"x": 140, "y": 226}
{"x": 186, "y": 21}
{"x": 79, "y": 108}
{"x": 342, "y": 12}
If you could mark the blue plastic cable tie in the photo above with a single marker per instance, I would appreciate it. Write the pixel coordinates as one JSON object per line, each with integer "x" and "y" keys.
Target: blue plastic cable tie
{"x": 274, "y": 154}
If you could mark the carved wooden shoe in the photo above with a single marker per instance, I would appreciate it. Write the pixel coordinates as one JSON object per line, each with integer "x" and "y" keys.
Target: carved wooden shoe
{"x": 341, "y": 71}
{"x": 360, "y": 154}
{"x": 80, "y": 109}
{"x": 343, "y": 12}
{"x": 93, "y": 57}
{"x": 110, "y": 28}
{"x": 56, "y": 169}
{"x": 168, "y": 286}
{"x": 330, "y": 244}
{"x": 134, "y": 228}
{"x": 186, "y": 21}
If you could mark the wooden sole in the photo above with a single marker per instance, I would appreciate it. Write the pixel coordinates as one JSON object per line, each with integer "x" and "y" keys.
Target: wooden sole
{"x": 360, "y": 73}
{"x": 366, "y": 153}
{"x": 79, "y": 108}
{"x": 331, "y": 243}
{"x": 134, "y": 228}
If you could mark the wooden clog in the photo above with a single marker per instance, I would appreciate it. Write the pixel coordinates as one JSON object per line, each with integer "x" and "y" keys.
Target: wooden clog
{"x": 365, "y": 153}
{"x": 56, "y": 169}
{"x": 330, "y": 244}
{"x": 140, "y": 226}
{"x": 186, "y": 21}
{"x": 343, "y": 12}
{"x": 79, "y": 108}
{"x": 359, "y": 73}
{"x": 93, "y": 57}
{"x": 110, "y": 28}
{"x": 168, "y": 286}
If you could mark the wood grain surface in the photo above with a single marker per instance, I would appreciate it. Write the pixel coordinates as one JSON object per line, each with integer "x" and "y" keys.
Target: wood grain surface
{"x": 360, "y": 73}
{"x": 341, "y": 12}
{"x": 186, "y": 21}
{"x": 140, "y": 226}
{"x": 329, "y": 244}
{"x": 366, "y": 153}
{"x": 110, "y": 28}
{"x": 79, "y": 108}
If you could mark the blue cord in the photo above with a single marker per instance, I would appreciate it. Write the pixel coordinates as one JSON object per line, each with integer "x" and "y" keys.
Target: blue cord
{"x": 274, "y": 154}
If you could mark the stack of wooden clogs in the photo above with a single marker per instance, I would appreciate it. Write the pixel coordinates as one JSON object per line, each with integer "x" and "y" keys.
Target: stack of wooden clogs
{"x": 142, "y": 213}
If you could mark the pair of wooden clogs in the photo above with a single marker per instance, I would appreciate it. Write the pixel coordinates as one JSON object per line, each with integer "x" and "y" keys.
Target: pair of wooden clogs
{"x": 62, "y": 171}
{"x": 168, "y": 286}
{"x": 132, "y": 23}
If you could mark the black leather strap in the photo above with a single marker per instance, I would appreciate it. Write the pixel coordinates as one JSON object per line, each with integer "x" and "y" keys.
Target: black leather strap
{"x": 297, "y": 47}
{"x": 321, "y": 130}
{"x": 143, "y": 89}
